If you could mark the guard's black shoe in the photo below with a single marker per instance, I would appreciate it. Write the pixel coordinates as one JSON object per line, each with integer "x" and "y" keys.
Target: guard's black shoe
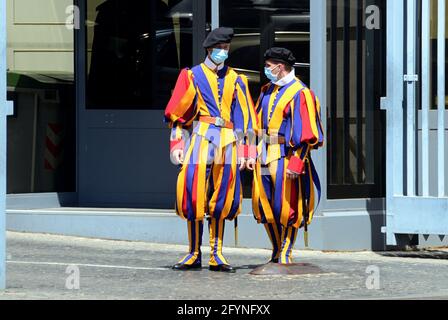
{"x": 187, "y": 267}
{"x": 274, "y": 261}
{"x": 223, "y": 268}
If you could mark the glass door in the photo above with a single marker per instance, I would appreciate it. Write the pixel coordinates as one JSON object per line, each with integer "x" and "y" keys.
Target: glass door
{"x": 135, "y": 50}
{"x": 258, "y": 26}
{"x": 129, "y": 55}
{"x": 355, "y": 82}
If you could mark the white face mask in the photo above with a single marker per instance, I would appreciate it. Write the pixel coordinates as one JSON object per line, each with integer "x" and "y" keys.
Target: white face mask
{"x": 270, "y": 75}
{"x": 219, "y": 55}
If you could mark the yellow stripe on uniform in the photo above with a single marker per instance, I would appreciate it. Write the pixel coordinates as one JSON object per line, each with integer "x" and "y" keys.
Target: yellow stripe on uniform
{"x": 201, "y": 184}
{"x": 277, "y": 117}
{"x": 216, "y": 236}
{"x": 286, "y": 243}
{"x": 256, "y": 194}
{"x": 247, "y": 105}
{"x": 220, "y": 240}
{"x": 231, "y": 192}
{"x": 312, "y": 195}
{"x": 177, "y": 132}
{"x": 218, "y": 171}
{"x": 278, "y": 240}
{"x": 196, "y": 242}
{"x": 202, "y": 106}
{"x": 273, "y": 166}
{"x": 227, "y": 98}
{"x": 213, "y": 81}
{"x": 262, "y": 196}
{"x": 181, "y": 179}
{"x": 320, "y": 121}
{"x": 187, "y": 99}
{"x": 195, "y": 254}
{"x": 271, "y": 101}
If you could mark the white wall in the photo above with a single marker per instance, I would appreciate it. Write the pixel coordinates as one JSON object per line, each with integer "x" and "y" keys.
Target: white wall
{"x": 38, "y": 37}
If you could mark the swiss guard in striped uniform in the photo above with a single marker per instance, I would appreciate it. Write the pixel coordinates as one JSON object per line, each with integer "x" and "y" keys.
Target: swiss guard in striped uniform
{"x": 215, "y": 100}
{"x": 284, "y": 179}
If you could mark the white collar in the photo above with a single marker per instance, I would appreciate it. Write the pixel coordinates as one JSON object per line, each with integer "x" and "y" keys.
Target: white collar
{"x": 287, "y": 79}
{"x": 211, "y": 65}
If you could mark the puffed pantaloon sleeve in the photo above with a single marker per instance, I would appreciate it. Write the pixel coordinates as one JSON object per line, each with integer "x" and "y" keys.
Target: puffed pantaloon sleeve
{"x": 244, "y": 119}
{"x": 181, "y": 109}
{"x": 306, "y": 130}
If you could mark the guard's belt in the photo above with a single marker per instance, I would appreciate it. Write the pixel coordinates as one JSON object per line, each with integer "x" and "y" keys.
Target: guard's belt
{"x": 218, "y": 122}
{"x": 274, "y": 139}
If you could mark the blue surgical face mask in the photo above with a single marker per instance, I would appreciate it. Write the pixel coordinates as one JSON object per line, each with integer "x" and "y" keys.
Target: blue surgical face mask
{"x": 219, "y": 55}
{"x": 270, "y": 75}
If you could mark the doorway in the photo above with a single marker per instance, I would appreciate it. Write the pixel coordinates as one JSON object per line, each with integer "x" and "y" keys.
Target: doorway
{"x": 128, "y": 56}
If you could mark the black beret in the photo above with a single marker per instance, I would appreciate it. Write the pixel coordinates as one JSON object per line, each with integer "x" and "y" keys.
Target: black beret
{"x": 218, "y": 35}
{"x": 280, "y": 54}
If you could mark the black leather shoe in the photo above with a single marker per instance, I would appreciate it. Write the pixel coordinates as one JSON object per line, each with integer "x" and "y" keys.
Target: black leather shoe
{"x": 186, "y": 267}
{"x": 223, "y": 268}
{"x": 274, "y": 261}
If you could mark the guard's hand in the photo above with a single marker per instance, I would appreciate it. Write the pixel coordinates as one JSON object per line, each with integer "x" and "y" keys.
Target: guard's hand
{"x": 250, "y": 164}
{"x": 178, "y": 156}
{"x": 242, "y": 163}
{"x": 291, "y": 175}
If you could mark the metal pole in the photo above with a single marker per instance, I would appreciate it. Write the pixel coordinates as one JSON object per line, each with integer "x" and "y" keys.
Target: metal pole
{"x": 215, "y": 14}
{"x": 318, "y": 47}
{"x": 426, "y": 85}
{"x": 3, "y": 108}
{"x": 411, "y": 91}
{"x": 441, "y": 96}
{"x": 393, "y": 104}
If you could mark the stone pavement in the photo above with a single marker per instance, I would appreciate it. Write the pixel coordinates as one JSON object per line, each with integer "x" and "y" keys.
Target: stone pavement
{"x": 46, "y": 267}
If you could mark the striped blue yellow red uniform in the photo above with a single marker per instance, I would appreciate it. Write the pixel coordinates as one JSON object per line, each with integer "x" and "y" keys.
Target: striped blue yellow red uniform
{"x": 293, "y": 113}
{"x": 209, "y": 181}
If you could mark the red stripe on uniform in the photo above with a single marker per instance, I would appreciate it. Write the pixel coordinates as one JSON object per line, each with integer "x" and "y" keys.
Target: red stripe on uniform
{"x": 293, "y": 211}
{"x": 182, "y": 85}
{"x": 307, "y": 132}
{"x": 287, "y": 110}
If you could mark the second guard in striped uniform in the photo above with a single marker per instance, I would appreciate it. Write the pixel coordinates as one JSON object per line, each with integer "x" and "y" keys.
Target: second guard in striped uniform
{"x": 284, "y": 179}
